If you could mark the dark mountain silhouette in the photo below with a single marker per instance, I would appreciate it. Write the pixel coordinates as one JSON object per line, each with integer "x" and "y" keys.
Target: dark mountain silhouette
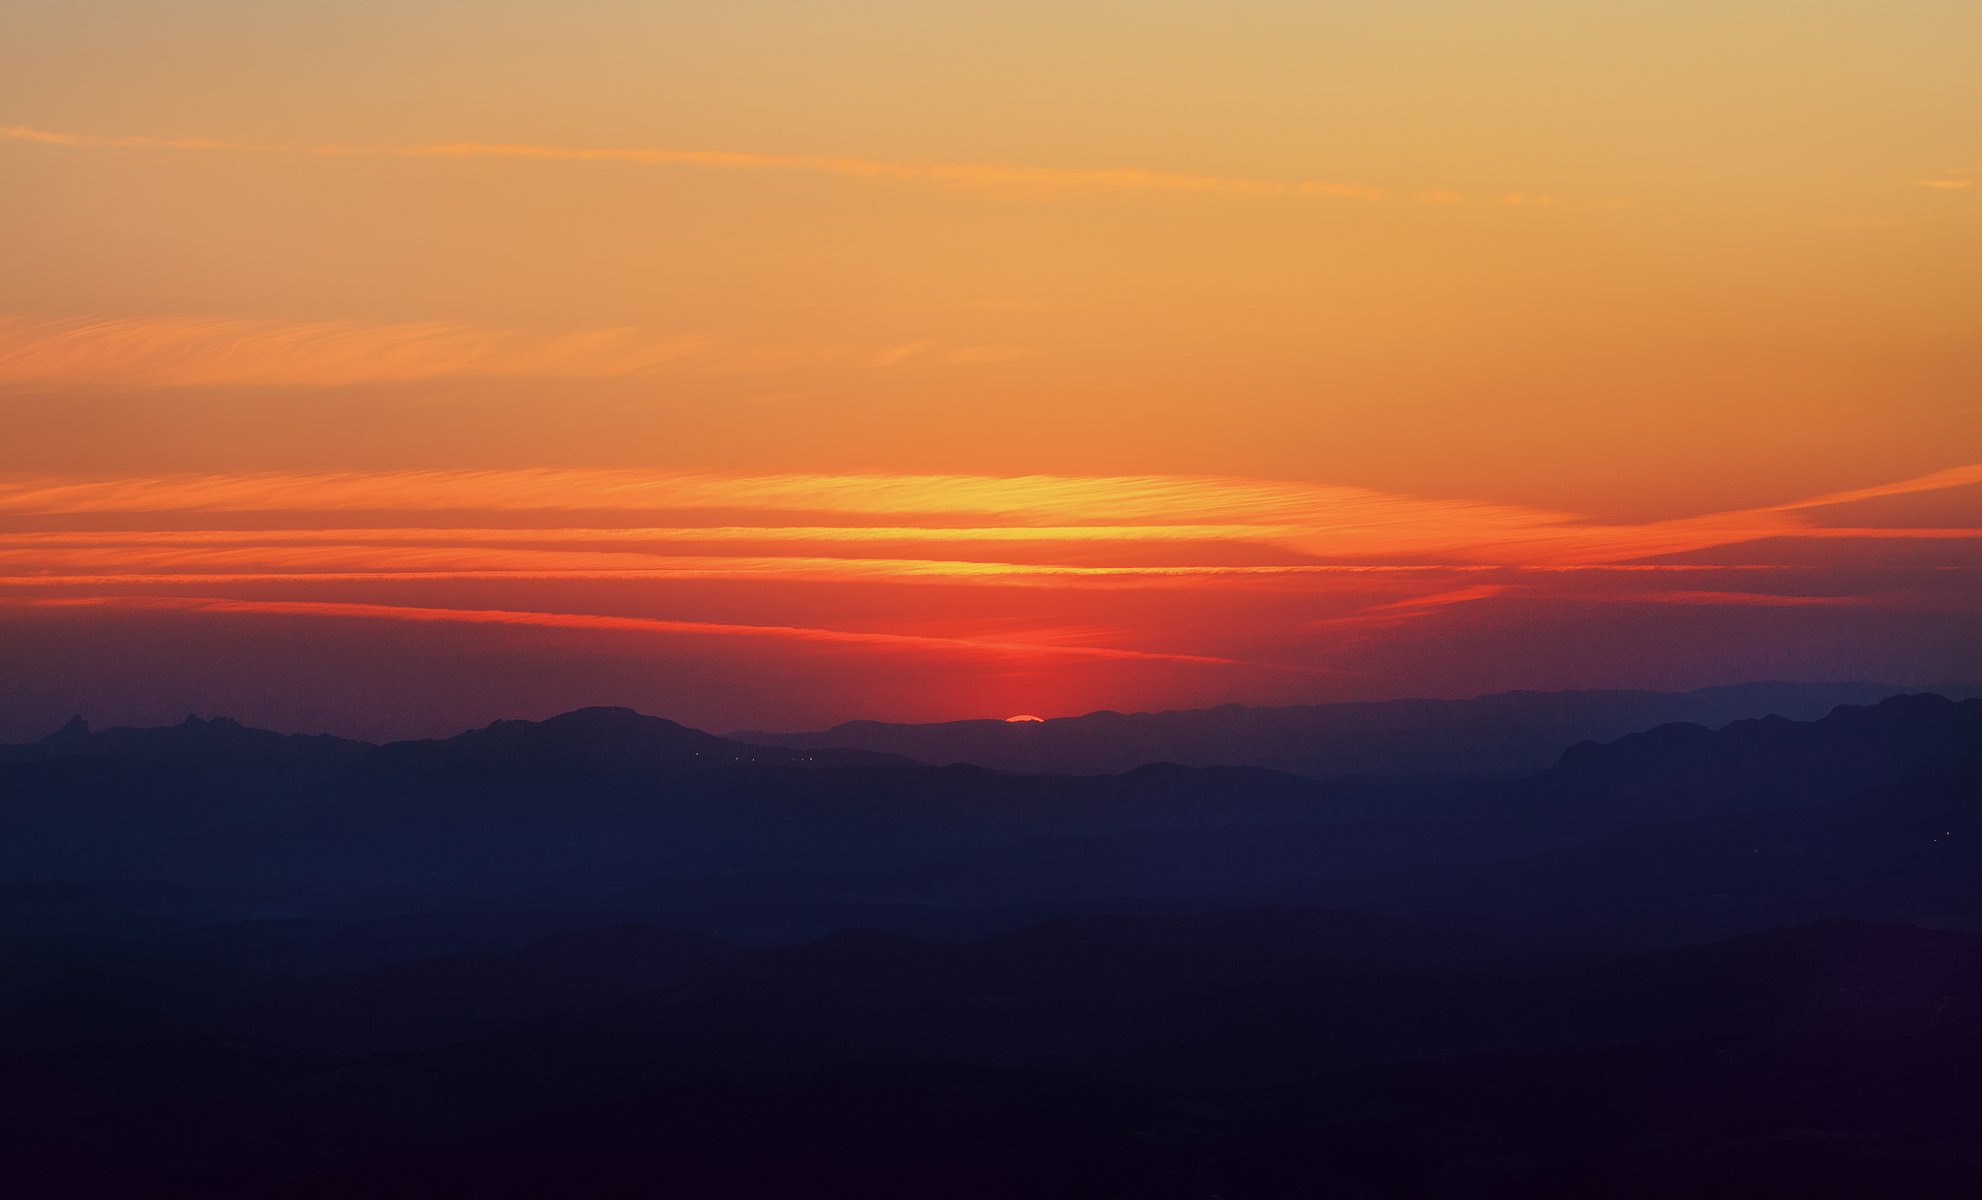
{"x": 1509, "y": 733}
{"x": 192, "y": 740}
{"x": 598, "y": 801}
{"x": 604, "y": 810}
{"x": 606, "y": 739}
{"x": 607, "y": 954}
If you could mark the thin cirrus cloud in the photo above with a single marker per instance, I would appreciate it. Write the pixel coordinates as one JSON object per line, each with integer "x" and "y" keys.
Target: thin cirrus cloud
{"x": 938, "y": 173}
{"x": 1748, "y": 599}
{"x": 903, "y": 525}
{"x": 1041, "y": 645}
{"x": 180, "y": 352}
{"x": 1309, "y": 522}
{"x": 1954, "y": 179}
{"x": 1943, "y": 480}
{"x": 851, "y": 560}
{"x": 196, "y": 351}
{"x": 1388, "y": 613}
{"x": 932, "y": 500}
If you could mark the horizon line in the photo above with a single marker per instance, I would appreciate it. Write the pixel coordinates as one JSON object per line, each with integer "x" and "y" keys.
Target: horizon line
{"x": 1892, "y": 690}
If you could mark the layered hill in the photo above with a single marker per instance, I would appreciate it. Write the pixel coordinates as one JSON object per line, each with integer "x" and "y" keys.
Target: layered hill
{"x": 1868, "y": 811}
{"x": 1508, "y": 733}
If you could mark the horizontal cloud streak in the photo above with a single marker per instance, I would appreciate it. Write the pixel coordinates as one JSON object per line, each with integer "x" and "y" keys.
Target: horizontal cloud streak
{"x": 939, "y": 173}
{"x": 1743, "y": 599}
{"x": 192, "y": 351}
{"x": 1952, "y": 477}
{"x": 1316, "y": 523}
{"x": 599, "y": 622}
{"x": 1290, "y": 562}
{"x": 934, "y": 500}
{"x": 177, "y": 352}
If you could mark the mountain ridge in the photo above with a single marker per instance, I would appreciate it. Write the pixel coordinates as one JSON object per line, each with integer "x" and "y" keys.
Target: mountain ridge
{"x": 1502, "y": 734}
{"x": 1375, "y": 739}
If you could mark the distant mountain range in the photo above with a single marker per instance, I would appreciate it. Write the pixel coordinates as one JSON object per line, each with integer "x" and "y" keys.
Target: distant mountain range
{"x": 591, "y": 737}
{"x": 1509, "y": 733}
{"x": 1502, "y": 734}
{"x": 609, "y": 955}
{"x": 608, "y": 809}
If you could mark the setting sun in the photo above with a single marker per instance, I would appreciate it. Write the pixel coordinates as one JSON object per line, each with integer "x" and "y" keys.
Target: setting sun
{"x": 1153, "y": 357}
{"x": 1489, "y": 490}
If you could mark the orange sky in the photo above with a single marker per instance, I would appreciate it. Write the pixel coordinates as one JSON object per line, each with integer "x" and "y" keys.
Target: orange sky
{"x": 381, "y": 367}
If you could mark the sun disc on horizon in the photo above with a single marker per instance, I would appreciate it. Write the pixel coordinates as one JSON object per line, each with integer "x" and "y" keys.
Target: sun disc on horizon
{"x": 1025, "y": 719}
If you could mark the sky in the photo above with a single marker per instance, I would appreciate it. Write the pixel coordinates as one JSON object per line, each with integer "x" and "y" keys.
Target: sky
{"x": 384, "y": 368}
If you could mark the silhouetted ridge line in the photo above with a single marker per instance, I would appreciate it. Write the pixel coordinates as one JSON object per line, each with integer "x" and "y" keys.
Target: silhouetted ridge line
{"x": 602, "y": 737}
{"x": 1892, "y": 731}
{"x": 192, "y": 739}
{"x": 1503, "y": 734}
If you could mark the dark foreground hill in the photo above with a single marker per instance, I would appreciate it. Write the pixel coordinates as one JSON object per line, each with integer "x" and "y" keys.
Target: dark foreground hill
{"x": 1252, "y": 1054}
{"x": 1679, "y": 831}
{"x": 1509, "y": 733}
{"x": 608, "y": 955}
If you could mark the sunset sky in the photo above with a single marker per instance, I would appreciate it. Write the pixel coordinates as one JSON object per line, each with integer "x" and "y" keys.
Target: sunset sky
{"x": 387, "y": 366}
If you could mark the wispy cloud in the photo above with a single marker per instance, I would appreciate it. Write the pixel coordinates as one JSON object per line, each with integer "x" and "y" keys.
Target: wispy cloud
{"x": 954, "y": 526}
{"x": 1951, "y": 477}
{"x": 601, "y": 622}
{"x": 803, "y": 554}
{"x": 1743, "y": 599}
{"x": 50, "y": 137}
{"x": 1410, "y": 608}
{"x": 934, "y": 500}
{"x": 1953, "y": 179}
{"x": 1310, "y": 521}
{"x": 175, "y": 352}
{"x": 933, "y": 172}
{"x": 192, "y": 351}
